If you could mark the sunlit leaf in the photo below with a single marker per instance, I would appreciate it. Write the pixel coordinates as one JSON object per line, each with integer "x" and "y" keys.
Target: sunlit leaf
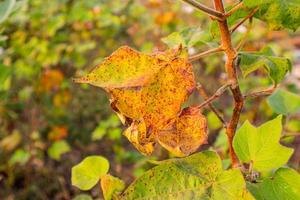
{"x": 187, "y": 37}
{"x": 277, "y": 13}
{"x": 185, "y": 135}
{"x": 58, "y": 148}
{"x": 87, "y": 173}
{"x": 277, "y": 67}
{"x": 146, "y": 91}
{"x": 20, "y": 156}
{"x": 283, "y": 185}
{"x": 6, "y": 7}
{"x": 260, "y": 146}
{"x": 111, "y": 186}
{"x": 199, "y": 176}
{"x": 284, "y": 102}
{"x": 124, "y": 68}
{"x": 11, "y": 141}
{"x": 83, "y": 197}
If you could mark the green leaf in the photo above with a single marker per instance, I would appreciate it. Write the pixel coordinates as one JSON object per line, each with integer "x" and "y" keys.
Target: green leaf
{"x": 277, "y": 13}
{"x": 20, "y": 156}
{"x": 277, "y": 67}
{"x": 199, "y": 176}
{"x": 284, "y": 185}
{"x": 260, "y": 146}
{"x": 284, "y": 102}
{"x": 111, "y": 186}
{"x": 83, "y": 197}
{"x": 187, "y": 37}
{"x": 58, "y": 148}
{"x": 6, "y": 7}
{"x": 5, "y": 73}
{"x": 87, "y": 173}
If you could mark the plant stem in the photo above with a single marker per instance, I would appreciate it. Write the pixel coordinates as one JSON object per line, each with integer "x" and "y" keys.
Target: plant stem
{"x": 234, "y": 9}
{"x": 216, "y": 95}
{"x": 203, "y": 93}
{"x": 205, "y": 9}
{"x": 243, "y": 20}
{"x": 265, "y": 92}
{"x": 230, "y": 67}
{"x": 205, "y": 53}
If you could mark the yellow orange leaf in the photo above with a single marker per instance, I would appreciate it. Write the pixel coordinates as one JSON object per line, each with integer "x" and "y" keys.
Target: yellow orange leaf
{"x": 187, "y": 133}
{"x": 146, "y": 91}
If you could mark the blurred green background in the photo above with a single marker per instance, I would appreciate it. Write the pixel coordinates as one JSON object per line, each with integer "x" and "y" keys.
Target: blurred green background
{"x": 48, "y": 123}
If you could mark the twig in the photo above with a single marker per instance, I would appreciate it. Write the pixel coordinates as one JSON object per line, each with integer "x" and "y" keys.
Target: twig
{"x": 207, "y": 10}
{"x": 245, "y": 37}
{"x": 230, "y": 67}
{"x": 234, "y": 9}
{"x": 205, "y": 53}
{"x": 243, "y": 20}
{"x": 216, "y": 95}
{"x": 265, "y": 92}
{"x": 203, "y": 93}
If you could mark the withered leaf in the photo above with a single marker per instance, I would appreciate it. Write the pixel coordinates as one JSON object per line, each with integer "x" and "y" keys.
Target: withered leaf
{"x": 146, "y": 91}
{"x": 124, "y": 68}
{"x": 186, "y": 134}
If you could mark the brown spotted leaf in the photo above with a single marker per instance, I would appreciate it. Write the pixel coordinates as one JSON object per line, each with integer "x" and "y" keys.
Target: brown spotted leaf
{"x": 124, "y": 68}
{"x": 146, "y": 91}
{"x": 187, "y": 133}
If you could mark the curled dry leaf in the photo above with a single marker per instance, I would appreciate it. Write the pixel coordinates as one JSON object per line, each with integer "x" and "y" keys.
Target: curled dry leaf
{"x": 147, "y": 92}
{"x": 187, "y": 133}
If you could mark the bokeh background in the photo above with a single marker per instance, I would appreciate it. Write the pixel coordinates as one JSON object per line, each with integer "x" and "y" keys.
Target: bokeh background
{"x": 48, "y": 123}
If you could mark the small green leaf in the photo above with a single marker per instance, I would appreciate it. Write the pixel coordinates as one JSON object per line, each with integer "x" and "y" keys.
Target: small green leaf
{"x": 199, "y": 176}
{"x": 99, "y": 132}
{"x": 111, "y": 186}
{"x": 5, "y": 73}
{"x": 58, "y": 148}
{"x": 87, "y": 173}
{"x": 277, "y": 13}
{"x": 277, "y": 67}
{"x": 284, "y": 185}
{"x": 188, "y": 37}
{"x": 260, "y": 146}
{"x": 83, "y": 197}
{"x": 284, "y": 102}
{"x": 20, "y": 156}
{"x": 6, "y": 7}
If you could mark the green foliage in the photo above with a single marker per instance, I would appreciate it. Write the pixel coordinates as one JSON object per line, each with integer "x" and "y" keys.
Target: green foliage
{"x": 199, "y": 176}
{"x": 260, "y": 146}
{"x": 88, "y": 172}
{"x": 283, "y": 185}
{"x": 188, "y": 37}
{"x": 58, "y": 148}
{"x": 20, "y": 156}
{"x": 6, "y": 7}
{"x": 277, "y": 67}
{"x": 83, "y": 197}
{"x": 277, "y": 13}
{"x": 284, "y": 102}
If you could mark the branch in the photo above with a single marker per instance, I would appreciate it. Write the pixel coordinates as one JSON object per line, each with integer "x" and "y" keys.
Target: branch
{"x": 234, "y": 9}
{"x": 230, "y": 67}
{"x": 205, "y": 53}
{"x": 265, "y": 92}
{"x": 203, "y": 93}
{"x": 243, "y": 20}
{"x": 216, "y": 95}
{"x": 207, "y": 10}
